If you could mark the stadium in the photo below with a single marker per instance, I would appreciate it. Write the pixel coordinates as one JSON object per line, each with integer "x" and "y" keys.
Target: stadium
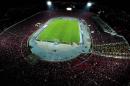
{"x": 61, "y": 38}
{"x": 64, "y": 49}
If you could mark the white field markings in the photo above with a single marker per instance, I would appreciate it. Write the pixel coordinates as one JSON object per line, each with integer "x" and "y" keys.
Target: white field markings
{"x": 46, "y": 24}
{"x": 65, "y": 18}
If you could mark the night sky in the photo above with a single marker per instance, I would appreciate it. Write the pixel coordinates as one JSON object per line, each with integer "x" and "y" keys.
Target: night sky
{"x": 119, "y": 4}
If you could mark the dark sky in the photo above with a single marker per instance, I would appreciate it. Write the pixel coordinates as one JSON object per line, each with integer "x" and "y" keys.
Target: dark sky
{"x": 116, "y": 4}
{"x": 28, "y": 3}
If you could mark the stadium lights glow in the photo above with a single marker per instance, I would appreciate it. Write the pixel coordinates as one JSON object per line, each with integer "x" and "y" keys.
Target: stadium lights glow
{"x": 89, "y": 4}
{"x": 49, "y": 3}
{"x": 69, "y": 9}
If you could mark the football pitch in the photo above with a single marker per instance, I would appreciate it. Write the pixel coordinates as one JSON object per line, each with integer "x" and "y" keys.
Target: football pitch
{"x": 61, "y": 30}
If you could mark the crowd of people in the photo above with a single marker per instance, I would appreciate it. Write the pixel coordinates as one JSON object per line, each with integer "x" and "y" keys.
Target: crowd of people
{"x": 92, "y": 70}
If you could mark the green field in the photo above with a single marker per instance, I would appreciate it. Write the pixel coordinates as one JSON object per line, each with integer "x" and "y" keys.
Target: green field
{"x": 62, "y": 30}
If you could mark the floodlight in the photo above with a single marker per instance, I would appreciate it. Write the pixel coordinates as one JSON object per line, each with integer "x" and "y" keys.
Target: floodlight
{"x": 89, "y": 4}
{"x": 49, "y": 3}
{"x": 69, "y": 9}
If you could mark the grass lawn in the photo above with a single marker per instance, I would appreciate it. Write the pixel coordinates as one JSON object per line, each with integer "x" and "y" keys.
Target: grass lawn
{"x": 63, "y": 30}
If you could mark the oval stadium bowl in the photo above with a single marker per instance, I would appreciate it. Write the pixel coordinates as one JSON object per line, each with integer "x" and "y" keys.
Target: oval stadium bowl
{"x": 61, "y": 39}
{"x": 64, "y": 49}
